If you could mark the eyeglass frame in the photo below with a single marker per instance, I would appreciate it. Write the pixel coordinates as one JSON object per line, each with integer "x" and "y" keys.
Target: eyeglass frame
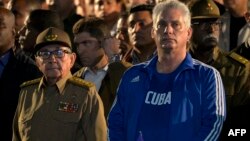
{"x": 59, "y": 53}
{"x": 204, "y": 25}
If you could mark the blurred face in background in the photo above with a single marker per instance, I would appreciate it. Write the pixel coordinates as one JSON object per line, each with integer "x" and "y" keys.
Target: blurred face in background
{"x": 4, "y": 3}
{"x": 122, "y": 34}
{"x": 139, "y": 28}
{"x": 7, "y": 31}
{"x": 236, "y": 5}
{"x": 60, "y": 6}
{"x": 106, "y": 8}
{"x": 28, "y": 37}
{"x": 21, "y": 10}
{"x": 89, "y": 49}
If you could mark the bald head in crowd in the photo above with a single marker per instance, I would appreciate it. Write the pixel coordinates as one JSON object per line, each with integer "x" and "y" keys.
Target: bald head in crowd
{"x": 7, "y": 30}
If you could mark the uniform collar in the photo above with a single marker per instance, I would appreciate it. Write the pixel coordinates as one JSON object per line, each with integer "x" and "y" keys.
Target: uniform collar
{"x": 60, "y": 84}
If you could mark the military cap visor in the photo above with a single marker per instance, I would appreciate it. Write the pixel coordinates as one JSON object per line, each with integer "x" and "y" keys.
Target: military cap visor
{"x": 212, "y": 17}
{"x": 51, "y": 36}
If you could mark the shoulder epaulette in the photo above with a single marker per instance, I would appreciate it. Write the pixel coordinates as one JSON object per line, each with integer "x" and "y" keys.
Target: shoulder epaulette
{"x": 238, "y": 58}
{"x": 81, "y": 82}
{"x": 31, "y": 82}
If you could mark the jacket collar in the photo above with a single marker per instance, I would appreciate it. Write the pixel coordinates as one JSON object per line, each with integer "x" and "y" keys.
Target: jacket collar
{"x": 187, "y": 63}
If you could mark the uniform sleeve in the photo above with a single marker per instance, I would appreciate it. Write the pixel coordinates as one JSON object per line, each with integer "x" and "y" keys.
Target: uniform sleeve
{"x": 116, "y": 116}
{"x": 213, "y": 107}
{"x": 94, "y": 122}
{"x": 242, "y": 88}
{"x": 16, "y": 135}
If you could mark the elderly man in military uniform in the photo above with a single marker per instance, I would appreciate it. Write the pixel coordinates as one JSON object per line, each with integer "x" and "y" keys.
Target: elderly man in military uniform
{"x": 233, "y": 68}
{"x": 58, "y": 106}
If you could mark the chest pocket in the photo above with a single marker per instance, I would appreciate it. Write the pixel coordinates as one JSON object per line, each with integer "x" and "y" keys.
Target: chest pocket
{"x": 67, "y": 112}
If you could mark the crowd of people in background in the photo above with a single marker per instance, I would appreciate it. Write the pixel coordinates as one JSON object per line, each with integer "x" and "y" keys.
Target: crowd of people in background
{"x": 134, "y": 70}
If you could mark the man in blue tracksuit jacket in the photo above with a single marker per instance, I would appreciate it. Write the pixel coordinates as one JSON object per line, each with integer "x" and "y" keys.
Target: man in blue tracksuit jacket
{"x": 172, "y": 97}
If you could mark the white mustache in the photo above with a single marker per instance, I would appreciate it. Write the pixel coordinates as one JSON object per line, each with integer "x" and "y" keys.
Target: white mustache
{"x": 210, "y": 36}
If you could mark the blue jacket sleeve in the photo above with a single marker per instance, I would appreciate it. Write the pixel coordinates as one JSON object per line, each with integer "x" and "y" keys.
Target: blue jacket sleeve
{"x": 116, "y": 131}
{"x": 213, "y": 107}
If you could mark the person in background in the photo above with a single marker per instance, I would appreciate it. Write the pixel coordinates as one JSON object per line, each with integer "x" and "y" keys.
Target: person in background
{"x": 173, "y": 96}
{"x": 80, "y": 7}
{"x": 122, "y": 35}
{"x": 4, "y": 3}
{"x": 235, "y": 26}
{"x": 21, "y": 10}
{"x": 90, "y": 35}
{"x": 139, "y": 30}
{"x": 109, "y": 11}
{"x": 90, "y": 7}
{"x": 58, "y": 106}
{"x": 234, "y": 69}
{"x": 15, "y": 68}
{"x": 37, "y": 21}
{"x": 244, "y": 48}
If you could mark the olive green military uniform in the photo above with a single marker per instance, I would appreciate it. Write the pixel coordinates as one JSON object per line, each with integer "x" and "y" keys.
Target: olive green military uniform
{"x": 71, "y": 110}
{"x": 234, "y": 70}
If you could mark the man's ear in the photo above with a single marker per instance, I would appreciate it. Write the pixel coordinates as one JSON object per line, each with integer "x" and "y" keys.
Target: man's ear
{"x": 190, "y": 32}
{"x": 14, "y": 32}
{"x": 73, "y": 59}
{"x": 153, "y": 33}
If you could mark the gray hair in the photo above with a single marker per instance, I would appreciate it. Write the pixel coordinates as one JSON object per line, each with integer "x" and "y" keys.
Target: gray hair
{"x": 172, "y": 4}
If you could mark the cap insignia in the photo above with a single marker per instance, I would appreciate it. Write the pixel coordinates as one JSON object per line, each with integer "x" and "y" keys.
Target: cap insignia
{"x": 51, "y": 37}
{"x": 209, "y": 7}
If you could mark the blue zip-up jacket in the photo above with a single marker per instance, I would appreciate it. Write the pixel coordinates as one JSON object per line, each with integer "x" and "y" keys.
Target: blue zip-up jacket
{"x": 197, "y": 102}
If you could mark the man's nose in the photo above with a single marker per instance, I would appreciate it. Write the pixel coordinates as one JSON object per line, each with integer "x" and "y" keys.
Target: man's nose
{"x": 168, "y": 29}
{"x": 136, "y": 27}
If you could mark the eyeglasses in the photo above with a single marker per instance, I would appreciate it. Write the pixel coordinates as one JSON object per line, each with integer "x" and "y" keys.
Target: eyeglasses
{"x": 206, "y": 25}
{"x": 57, "y": 53}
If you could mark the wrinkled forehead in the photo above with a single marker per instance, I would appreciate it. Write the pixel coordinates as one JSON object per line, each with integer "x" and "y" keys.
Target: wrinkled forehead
{"x": 170, "y": 14}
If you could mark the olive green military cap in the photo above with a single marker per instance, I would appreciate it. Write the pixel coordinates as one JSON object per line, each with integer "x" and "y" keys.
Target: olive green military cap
{"x": 205, "y": 9}
{"x": 50, "y": 36}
